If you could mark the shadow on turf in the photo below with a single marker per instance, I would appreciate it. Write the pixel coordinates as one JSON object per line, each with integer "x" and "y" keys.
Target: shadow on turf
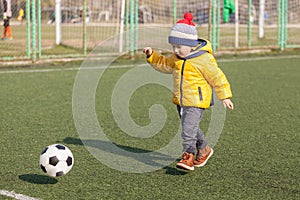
{"x": 38, "y": 179}
{"x": 102, "y": 144}
{"x": 175, "y": 172}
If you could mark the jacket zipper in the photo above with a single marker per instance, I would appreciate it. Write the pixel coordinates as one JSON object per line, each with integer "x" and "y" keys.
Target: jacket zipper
{"x": 181, "y": 80}
{"x": 200, "y": 93}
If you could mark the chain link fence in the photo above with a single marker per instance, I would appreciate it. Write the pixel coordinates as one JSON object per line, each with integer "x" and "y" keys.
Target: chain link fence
{"x": 86, "y": 23}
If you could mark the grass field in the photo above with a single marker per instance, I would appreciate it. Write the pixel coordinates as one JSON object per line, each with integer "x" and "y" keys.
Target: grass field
{"x": 256, "y": 157}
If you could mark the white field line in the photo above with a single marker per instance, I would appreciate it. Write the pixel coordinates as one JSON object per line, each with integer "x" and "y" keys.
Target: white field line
{"x": 66, "y": 69}
{"x": 139, "y": 65}
{"x": 257, "y": 58}
{"x": 16, "y": 196}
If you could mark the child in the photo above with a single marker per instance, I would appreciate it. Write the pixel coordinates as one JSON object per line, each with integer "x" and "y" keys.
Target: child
{"x": 6, "y": 16}
{"x": 21, "y": 15}
{"x": 195, "y": 73}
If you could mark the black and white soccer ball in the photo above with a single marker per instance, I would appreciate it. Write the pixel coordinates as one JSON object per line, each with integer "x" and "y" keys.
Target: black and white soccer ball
{"x": 56, "y": 160}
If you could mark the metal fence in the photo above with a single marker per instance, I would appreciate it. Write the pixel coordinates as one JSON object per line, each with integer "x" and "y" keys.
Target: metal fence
{"x": 82, "y": 25}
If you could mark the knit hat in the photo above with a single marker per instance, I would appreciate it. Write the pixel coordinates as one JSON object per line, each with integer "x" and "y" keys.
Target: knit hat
{"x": 184, "y": 32}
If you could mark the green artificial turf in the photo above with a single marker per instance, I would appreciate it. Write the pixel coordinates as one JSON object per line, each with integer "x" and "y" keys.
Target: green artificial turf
{"x": 256, "y": 156}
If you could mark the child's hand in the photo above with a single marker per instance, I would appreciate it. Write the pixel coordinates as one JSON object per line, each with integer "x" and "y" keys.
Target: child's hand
{"x": 148, "y": 51}
{"x": 228, "y": 103}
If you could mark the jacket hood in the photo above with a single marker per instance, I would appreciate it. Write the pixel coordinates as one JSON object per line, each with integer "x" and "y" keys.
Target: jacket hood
{"x": 204, "y": 46}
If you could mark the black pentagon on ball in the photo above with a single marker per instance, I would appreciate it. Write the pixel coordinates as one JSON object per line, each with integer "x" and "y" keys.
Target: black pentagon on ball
{"x": 53, "y": 160}
{"x": 69, "y": 161}
{"x": 43, "y": 168}
{"x": 59, "y": 146}
{"x": 44, "y": 151}
{"x": 60, "y": 173}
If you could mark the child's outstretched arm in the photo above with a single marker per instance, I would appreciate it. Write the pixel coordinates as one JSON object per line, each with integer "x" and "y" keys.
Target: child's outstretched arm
{"x": 158, "y": 61}
{"x": 228, "y": 103}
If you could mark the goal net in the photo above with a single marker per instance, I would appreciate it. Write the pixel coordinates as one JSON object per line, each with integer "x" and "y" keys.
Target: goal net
{"x": 130, "y": 25}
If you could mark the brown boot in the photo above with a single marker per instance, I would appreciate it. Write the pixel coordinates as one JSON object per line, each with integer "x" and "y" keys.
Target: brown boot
{"x": 187, "y": 162}
{"x": 9, "y": 33}
{"x": 202, "y": 156}
{"x": 4, "y": 33}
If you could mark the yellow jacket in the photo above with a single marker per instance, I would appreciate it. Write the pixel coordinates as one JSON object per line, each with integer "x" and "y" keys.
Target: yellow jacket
{"x": 194, "y": 76}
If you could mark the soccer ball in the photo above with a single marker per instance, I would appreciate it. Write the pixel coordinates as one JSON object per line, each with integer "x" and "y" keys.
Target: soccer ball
{"x": 56, "y": 160}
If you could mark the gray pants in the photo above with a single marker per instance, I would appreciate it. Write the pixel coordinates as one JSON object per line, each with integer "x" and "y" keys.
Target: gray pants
{"x": 192, "y": 136}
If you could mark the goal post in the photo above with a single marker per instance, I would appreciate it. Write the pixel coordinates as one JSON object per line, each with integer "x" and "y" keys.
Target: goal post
{"x": 261, "y": 18}
{"x": 58, "y": 21}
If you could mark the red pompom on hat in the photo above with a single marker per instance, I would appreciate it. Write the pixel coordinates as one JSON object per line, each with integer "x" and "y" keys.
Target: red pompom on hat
{"x": 188, "y": 17}
{"x": 184, "y": 32}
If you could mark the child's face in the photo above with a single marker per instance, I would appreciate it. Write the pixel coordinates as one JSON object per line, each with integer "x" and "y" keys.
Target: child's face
{"x": 181, "y": 50}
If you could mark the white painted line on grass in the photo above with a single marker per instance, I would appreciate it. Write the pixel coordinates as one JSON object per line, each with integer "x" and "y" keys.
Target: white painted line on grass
{"x": 36, "y": 70}
{"x": 257, "y": 58}
{"x": 16, "y": 195}
{"x": 67, "y": 69}
{"x": 139, "y": 65}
